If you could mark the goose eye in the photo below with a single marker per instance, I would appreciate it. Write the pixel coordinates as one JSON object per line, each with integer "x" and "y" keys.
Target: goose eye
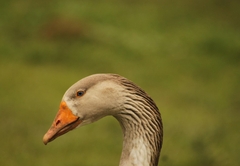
{"x": 80, "y": 93}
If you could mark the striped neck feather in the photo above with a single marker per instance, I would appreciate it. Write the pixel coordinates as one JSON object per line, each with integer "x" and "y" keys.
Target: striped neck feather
{"x": 142, "y": 128}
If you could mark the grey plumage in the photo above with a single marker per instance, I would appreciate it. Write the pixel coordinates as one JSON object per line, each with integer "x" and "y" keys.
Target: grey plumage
{"x": 111, "y": 94}
{"x": 142, "y": 113}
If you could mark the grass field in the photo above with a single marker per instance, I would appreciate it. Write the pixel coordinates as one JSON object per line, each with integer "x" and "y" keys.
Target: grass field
{"x": 185, "y": 54}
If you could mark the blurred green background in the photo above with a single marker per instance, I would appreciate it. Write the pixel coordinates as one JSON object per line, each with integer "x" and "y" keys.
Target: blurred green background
{"x": 185, "y": 54}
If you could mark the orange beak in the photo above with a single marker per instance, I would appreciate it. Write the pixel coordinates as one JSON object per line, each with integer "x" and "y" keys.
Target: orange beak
{"x": 63, "y": 122}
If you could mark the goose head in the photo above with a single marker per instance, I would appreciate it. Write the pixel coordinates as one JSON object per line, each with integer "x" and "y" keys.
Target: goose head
{"x": 85, "y": 102}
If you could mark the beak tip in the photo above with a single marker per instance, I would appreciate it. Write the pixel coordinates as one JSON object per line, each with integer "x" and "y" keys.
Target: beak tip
{"x": 45, "y": 139}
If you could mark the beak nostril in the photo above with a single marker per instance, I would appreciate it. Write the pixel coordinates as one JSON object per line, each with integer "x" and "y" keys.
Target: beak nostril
{"x": 58, "y": 121}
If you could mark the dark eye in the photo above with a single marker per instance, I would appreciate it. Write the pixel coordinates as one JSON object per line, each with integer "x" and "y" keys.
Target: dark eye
{"x": 80, "y": 93}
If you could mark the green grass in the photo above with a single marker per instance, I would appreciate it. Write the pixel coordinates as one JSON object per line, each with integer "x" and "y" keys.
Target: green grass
{"x": 185, "y": 54}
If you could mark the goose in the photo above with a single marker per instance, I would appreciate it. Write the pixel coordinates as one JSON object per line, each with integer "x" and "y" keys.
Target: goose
{"x": 100, "y": 95}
